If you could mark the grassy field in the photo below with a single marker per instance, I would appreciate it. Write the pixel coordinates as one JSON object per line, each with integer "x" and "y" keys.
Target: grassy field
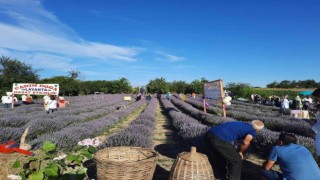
{"x": 283, "y": 89}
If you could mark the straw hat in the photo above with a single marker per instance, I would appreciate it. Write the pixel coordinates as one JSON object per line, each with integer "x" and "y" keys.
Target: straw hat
{"x": 257, "y": 124}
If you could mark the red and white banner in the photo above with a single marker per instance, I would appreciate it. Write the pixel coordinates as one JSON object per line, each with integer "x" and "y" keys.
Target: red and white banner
{"x": 35, "y": 89}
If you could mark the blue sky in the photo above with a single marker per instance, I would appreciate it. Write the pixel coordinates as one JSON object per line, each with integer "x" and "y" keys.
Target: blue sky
{"x": 255, "y": 42}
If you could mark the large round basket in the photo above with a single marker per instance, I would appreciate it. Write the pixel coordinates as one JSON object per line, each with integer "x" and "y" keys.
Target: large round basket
{"x": 191, "y": 165}
{"x": 126, "y": 163}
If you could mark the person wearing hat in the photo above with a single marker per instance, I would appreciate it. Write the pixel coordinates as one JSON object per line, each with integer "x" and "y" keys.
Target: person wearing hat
{"x": 295, "y": 161}
{"x": 225, "y": 159}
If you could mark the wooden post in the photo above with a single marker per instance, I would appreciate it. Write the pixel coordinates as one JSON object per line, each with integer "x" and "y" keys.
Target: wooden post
{"x": 222, "y": 97}
{"x": 204, "y": 104}
{"x": 12, "y": 101}
{"x": 204, "y": 99}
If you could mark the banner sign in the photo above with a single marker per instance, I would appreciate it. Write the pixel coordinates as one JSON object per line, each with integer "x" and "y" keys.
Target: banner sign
{"x": 212, "y": 90}
{"x": 35, "y": 89}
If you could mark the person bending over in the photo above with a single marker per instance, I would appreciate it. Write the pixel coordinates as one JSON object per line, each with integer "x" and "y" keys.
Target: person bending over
{"x": 295, "y": 161}
{"x": 224, "y": 157}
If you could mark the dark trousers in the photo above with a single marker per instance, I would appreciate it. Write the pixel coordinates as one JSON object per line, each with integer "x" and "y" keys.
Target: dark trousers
{"x": 224, "y": 158}
{"x": 272, "y": 175}
{"x": 52, "y": 110}
{"x": 7, "y": 105}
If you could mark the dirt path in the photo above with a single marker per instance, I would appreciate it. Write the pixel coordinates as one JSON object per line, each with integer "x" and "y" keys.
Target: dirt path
{"x": 167, "y": 143}
{"x": 122, "y": 124}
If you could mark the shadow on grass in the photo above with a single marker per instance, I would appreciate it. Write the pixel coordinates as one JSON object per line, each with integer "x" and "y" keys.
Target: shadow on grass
{"x": 170, "y": 150}
{"x": 251, "y": 171}
{"x": 160, "y": 173}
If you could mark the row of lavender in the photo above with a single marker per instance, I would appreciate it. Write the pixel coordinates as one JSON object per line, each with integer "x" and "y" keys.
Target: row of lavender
{"x": 263, "y": 142}
{"x": 18, "y": 118}
{"x": 21, "y": 120}
{"x": 272, "y": 108}
{"x": 140, "y": 131}
{"x": 47, "y": 124}
{"x": 240, "y": 106}
{"x": 68, "y": 137}
{"x": 279, "y": 124}
{"x": 258, "y": 106}
{"x": 190, "y": 129}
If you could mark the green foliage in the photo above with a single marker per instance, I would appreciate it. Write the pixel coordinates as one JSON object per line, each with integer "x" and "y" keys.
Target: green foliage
{"x": 195, "y": 86}
{"x": 14, "y": 71}
{"x": 245, "y": 90}
{"x": 158, "y": 85}
{"x": 240, "y": 89}
{"x": 68, "y": 86}
{"x": 281, "y": 93}
{"x": 179, "y": 86}
{"x": 74, "y": 73}
{"x": 48, "y": 166}
{"x": 309, "y": 83}
{"x": 48, "y": 146}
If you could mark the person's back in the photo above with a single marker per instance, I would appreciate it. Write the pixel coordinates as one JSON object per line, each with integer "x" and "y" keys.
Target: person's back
{"x": 168, "y": 95}
{"x": 53, "y": 104}
{"x": 46, "y": 99}
{"x": 23, "y": 98}
{"x": 285, "y": 103}
{"x": 231, "y": 131}
{"x": 296, "y": 162}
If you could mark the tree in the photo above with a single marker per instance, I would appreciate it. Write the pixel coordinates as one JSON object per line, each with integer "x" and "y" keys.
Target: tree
{"x": 15, "y": 71}
{"x": 158, "y": 85}
{"x": 195, "y": 87}
{"x": 204, "y": 80}
{"x": 74, "y": 73}
{"x": 272, "y": 85}
{"x": 240, "y": 89}
{"x": 179, "y": 86}
{"x": 67, "y": 85}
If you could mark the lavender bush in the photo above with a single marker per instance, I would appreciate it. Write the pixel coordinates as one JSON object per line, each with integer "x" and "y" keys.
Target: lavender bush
{"x": 68, "y": 137}
{"x": 282, "y": 123}
{"x": 190, "y": 129}
{"x": 139, "y": 132}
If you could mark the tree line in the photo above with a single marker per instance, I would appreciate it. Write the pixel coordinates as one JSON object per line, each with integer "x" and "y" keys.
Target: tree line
{"x": 310, "y": 83}
{"x": 15, "y": 71}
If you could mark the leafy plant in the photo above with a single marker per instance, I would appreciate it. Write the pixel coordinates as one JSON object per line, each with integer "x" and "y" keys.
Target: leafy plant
{"x": 52, "y": 164}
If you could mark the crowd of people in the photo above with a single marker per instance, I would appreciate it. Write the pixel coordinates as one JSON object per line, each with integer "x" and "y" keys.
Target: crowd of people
{"x": 296, "y": 162}
{"x": 297, "y": 103}
{"x": 51, "y": 103}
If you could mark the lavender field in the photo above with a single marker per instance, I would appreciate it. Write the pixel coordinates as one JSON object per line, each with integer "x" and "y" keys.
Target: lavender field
{"x": 89, "y": 117}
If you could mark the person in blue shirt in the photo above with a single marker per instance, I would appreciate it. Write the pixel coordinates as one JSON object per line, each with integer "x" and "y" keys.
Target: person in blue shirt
{"x": 168, "y": 95}
{"x": 296, "y": 162}
{"x": 225, "y": 159}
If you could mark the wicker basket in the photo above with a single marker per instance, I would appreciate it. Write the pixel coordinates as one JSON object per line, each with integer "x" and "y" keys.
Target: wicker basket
{"x": 191, "y": 165}
{"x": 126, "y": 163}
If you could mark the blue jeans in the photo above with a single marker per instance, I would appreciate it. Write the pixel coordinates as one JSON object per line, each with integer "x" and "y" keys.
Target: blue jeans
{"x": 7, "y": 105}
{"x": 272, "y": 175}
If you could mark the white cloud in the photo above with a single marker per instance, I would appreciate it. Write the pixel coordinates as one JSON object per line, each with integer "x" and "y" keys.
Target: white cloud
{"x": 30, "y": 33}
{"x": 33, "y": 29}
{"x": 40, "y": 60}
{"x": 168, "y": 57}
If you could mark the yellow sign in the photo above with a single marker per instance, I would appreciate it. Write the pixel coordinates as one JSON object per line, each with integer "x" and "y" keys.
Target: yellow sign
{"x": 127, "y": 98}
